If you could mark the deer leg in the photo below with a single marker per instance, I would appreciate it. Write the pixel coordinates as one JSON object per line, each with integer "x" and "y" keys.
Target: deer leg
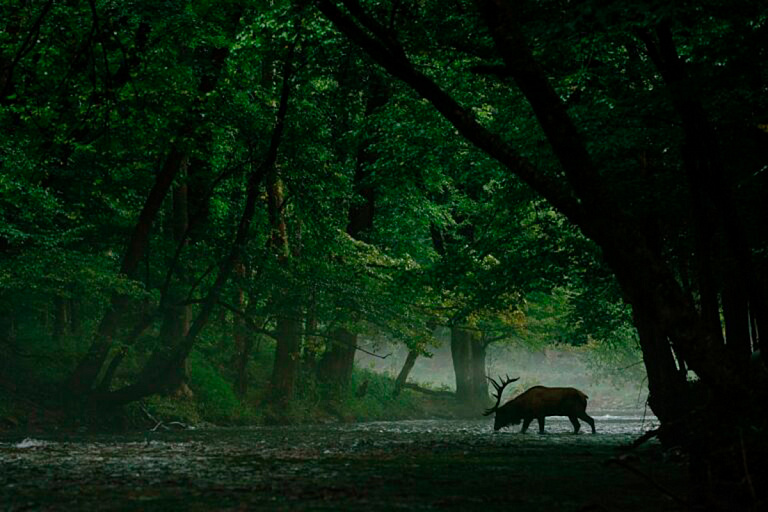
{"x": 586, "y": 417}
{"x": 575, "y": 423}
{"x": 541, "y": 424}
{"x": 526, "y": 422}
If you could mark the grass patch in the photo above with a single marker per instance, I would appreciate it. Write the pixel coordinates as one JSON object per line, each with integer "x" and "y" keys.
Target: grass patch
{"x": 378, "y": 403}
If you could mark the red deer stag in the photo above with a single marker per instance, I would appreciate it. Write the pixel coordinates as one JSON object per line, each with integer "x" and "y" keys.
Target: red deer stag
{"x": 539, "y": 402}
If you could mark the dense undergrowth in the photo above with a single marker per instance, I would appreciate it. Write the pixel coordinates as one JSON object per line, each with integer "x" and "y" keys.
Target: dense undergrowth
{"x": 214, "y": 402}
{"x": 31, "y": 397}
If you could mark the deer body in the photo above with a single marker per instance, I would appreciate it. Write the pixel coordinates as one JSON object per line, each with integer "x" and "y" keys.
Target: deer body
{"x": 537, "y": 403}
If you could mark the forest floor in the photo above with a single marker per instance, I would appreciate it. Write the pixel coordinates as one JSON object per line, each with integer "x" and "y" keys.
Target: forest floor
{"x": 406, "y": 465}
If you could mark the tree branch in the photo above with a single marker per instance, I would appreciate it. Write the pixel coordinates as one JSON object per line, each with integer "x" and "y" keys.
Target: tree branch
{"x": 391, "y": 56}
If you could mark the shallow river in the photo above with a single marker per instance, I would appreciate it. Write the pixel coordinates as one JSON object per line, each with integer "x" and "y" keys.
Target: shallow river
{"x": 405, "y": 465}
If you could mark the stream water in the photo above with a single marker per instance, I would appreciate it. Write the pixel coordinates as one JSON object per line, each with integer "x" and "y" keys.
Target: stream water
{"x": 407, "y": 465}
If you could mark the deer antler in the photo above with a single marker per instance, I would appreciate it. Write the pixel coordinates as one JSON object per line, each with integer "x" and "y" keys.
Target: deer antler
{"x": 499, "y": 387}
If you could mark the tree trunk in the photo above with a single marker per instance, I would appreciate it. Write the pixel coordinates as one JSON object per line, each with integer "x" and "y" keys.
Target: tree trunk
{"x": 312, "y": 343}
{"x": 74, "y": 316}
{"x": 737, "y": 320}
{"x": 177, "y": 315}
{"x": 243, "y": 339}
{"x": 287, "y": 353}
{"x": 468, "y": 352}
{"x": 709, "y": 305}
{"x": 288, "y": 330}
{"x": 666, "y": 383}
{"x": 461, "y": 355}
{"x": 336, "y": 365}
{"x": 477, "y": 369}
{"x": 402, "y": 377}
{"x": 714, "y": 207}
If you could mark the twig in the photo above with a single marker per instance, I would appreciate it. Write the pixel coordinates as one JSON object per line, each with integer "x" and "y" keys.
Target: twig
{"x": 357, "y": 347}
{"x": 150, "y": 417}
{"x": 161, "y": 423}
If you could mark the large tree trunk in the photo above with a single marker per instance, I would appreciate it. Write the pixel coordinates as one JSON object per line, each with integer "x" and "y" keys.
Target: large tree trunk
{"x": 287, "y": 353}
{"x": 335, "y": 366}
{"x": 714, "y": 209}
{"x": 176, "y": 317}
{"x": 667, "y": 385}
{"x": 312, "y": 343}
{"x": 477, "y": 369}
{"x": 468, "y": 353}
{"x": 461, "y": 355}
{"x": 288, "y": 330}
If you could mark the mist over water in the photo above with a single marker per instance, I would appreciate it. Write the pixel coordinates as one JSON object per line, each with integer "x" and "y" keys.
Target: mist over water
{"x": 613, "y": 390}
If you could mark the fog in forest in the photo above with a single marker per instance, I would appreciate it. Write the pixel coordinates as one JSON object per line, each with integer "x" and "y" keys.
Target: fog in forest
{"x": 609, "y": 387}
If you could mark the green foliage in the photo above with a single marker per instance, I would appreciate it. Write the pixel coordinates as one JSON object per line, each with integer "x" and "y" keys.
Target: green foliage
{"x": 166, "y": 409}
{"x": 98, "y": 100}
{"x": 214, "y": 394}
{"x": 378, "y": 403}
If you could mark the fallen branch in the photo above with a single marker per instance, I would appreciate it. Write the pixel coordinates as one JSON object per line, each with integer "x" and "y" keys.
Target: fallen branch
{"x": 150, "y": 417}
{"x": 427, "y": 391}
{"x": 161, "y": 423}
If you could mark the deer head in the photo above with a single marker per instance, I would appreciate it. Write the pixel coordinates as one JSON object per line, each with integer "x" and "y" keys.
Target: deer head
{"x": 501, "y": 420}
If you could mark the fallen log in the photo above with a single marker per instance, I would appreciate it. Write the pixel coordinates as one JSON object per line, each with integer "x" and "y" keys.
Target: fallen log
{"x": 427, "y": 391}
